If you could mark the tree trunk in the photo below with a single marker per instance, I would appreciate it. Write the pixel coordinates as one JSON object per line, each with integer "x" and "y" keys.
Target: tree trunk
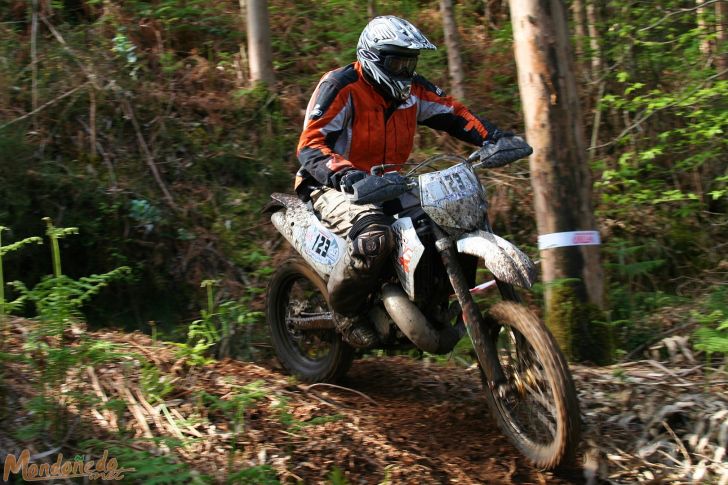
{"x": 34, "y": 59}
{"x": 560, "y": 176}
{"x": 705, "y": 47}
{"x": 721, "y": 24}
{"x": 452, "y": 43}
{"x": 259, "y": 47}
{"x": 594, "y": 41}
{"x": 579, "y": 16}
{"x": 241, "y": 61}
{"x": 372, "y": 8}
{"x": 487, "y": 20}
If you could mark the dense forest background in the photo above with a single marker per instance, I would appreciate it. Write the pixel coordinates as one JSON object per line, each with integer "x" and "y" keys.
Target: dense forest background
{"x": 137, "y": 123}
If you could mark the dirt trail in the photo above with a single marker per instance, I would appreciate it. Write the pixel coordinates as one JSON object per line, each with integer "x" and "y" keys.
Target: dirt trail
{"x": 393, "y": 420}
{"x": 440, "y": 415}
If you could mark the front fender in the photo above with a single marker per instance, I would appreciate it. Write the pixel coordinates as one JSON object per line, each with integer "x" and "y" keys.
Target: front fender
{"x": 503, "y": 259}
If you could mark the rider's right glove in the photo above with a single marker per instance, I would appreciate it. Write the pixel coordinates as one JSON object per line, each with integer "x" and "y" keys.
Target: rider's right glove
{"x": 345, "y": 179}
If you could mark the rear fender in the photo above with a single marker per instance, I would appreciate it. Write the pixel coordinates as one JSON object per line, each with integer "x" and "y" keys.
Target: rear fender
{"x": 320, "y": 247}
{"x": 503, "y": 259}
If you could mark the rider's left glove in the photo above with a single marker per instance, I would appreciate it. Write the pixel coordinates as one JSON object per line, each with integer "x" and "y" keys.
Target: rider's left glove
{"x": 349, "y": 178}
{"x": 496, "y": 134}
{"x": 395, "y": 178}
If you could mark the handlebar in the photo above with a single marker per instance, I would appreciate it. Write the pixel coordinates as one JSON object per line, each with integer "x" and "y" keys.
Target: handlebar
{"x": 380, "y": 188}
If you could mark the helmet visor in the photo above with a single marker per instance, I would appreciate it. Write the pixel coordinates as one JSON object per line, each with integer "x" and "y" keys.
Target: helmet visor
{"x": 400, "y": 65}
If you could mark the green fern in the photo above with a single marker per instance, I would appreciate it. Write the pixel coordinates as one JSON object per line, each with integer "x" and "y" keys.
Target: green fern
{"x": 58, "y": 299}
{"x": 712, "y": 336}
{"x": 256, "y": 475}
{"x": 9, "y": 307}
{"x": 149, "y": 468}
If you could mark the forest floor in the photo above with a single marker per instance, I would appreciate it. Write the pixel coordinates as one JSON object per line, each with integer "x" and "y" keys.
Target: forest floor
{"x": 393, "y": 420}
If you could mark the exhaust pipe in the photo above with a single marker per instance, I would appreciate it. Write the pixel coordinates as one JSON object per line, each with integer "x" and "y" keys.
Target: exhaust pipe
{"x": 415, "y": 325}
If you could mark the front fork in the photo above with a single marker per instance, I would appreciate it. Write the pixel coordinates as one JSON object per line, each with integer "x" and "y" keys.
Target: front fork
{"x": 479, "y": 330}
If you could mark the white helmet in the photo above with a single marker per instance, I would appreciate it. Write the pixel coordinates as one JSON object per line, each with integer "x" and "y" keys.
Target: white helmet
{"x": 387, "y": 50}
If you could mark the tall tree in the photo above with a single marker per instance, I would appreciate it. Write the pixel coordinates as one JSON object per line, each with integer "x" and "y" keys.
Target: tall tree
{"x": 452, "y": 43}
{"x": 594, "y": 40}
{"x": 372, "y": 8}
{"x": 559, "y": 175}
{"x": 241, "y": 59}
{"x": 259, "y": 47}
{"x": 579, "y": 17}
{"x": 721, "y": 50}
{"x": 705, "y": 44}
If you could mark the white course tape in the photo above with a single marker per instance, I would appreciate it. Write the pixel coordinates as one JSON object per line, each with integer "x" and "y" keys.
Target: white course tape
{"x": 572, "y": 238}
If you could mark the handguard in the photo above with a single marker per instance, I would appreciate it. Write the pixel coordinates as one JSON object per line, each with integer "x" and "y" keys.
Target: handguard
{"x": 504, "y": 151}
{"x": 373, "y": 190}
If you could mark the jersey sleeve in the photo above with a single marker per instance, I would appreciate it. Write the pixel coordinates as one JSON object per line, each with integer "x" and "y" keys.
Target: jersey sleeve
{"x": 441, "y": 112}
{"x": 326, "y": 117}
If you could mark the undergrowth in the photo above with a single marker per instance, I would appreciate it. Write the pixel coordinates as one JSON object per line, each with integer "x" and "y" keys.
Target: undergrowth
{"x": 57, "y": 350}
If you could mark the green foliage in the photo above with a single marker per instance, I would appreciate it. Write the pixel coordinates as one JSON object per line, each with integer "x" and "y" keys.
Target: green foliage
{"x": 58, "y": 300}
{"x": 233, "y": 408}
{"x": 149, "y": 468}
{"x": 294, "y": 425}
{"x": 56, "y": 343}
{"x": 336, "y": 477}
{"x": 154, "y": 384}
{"x": 712, "y": 336}
{"x": 219, "y": 325}
{"x": 663, "y": 174}
{"x": 5, "y": 306}
{"x": 261, "y": 474}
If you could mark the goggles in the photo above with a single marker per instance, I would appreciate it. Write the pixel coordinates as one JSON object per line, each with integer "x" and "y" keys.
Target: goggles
{"x": 400, "y": 65}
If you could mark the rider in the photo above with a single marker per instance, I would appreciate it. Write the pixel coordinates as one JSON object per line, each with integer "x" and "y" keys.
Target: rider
{"x": 359, "y": 116}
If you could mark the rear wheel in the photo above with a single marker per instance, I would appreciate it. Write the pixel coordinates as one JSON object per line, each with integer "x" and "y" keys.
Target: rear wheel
{"x": 296, "y": 292}
{"x": 535, "y": 404}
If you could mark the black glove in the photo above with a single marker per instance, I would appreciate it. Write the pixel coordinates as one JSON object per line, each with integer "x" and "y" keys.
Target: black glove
{"x": 506, "y": 150}
{"x": 496, "y": 134}
{"x": 344, "y": 180}
{"x": 395, "y": 178}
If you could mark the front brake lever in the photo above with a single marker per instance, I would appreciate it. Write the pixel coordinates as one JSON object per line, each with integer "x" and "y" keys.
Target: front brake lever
{"x": 475, "y": 155}
{"x": 380, "y": 169}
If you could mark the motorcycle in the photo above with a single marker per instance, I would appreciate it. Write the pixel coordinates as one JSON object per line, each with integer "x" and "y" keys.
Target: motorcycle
{"x": 441, "y": 227}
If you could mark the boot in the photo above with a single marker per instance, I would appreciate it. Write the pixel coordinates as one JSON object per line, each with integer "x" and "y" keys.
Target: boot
{"x": 356, "y": 330}
{"x": 353, "y": 278}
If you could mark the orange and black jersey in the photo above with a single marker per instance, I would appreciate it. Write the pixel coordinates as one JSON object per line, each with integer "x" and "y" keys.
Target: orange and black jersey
{"x": 350, "y": 124}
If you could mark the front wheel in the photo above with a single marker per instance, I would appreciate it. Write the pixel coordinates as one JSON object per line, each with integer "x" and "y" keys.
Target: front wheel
{"x": 535, "y": 405}
{"x": 296, "y": 292}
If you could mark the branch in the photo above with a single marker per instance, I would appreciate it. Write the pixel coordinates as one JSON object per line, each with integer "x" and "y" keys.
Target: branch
{"x": 643, "y": 117}
{"x": 90, "y": 75}
{"x": 682, "y": 10}
{"x": 320, "y": 384}
{"x": 44, "y": 106}
{"x": 129, "y": 112}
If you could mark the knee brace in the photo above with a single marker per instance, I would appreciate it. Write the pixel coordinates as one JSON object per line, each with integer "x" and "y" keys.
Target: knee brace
{"x": 372, "y": 239}
{"x": 373, "y": 243}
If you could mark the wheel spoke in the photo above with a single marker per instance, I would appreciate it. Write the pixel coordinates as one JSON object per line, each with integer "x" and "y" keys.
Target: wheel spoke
{"x": 536, "y": 404}
{"x": 306, "y": 304}
{"x": 528, "y": 408}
